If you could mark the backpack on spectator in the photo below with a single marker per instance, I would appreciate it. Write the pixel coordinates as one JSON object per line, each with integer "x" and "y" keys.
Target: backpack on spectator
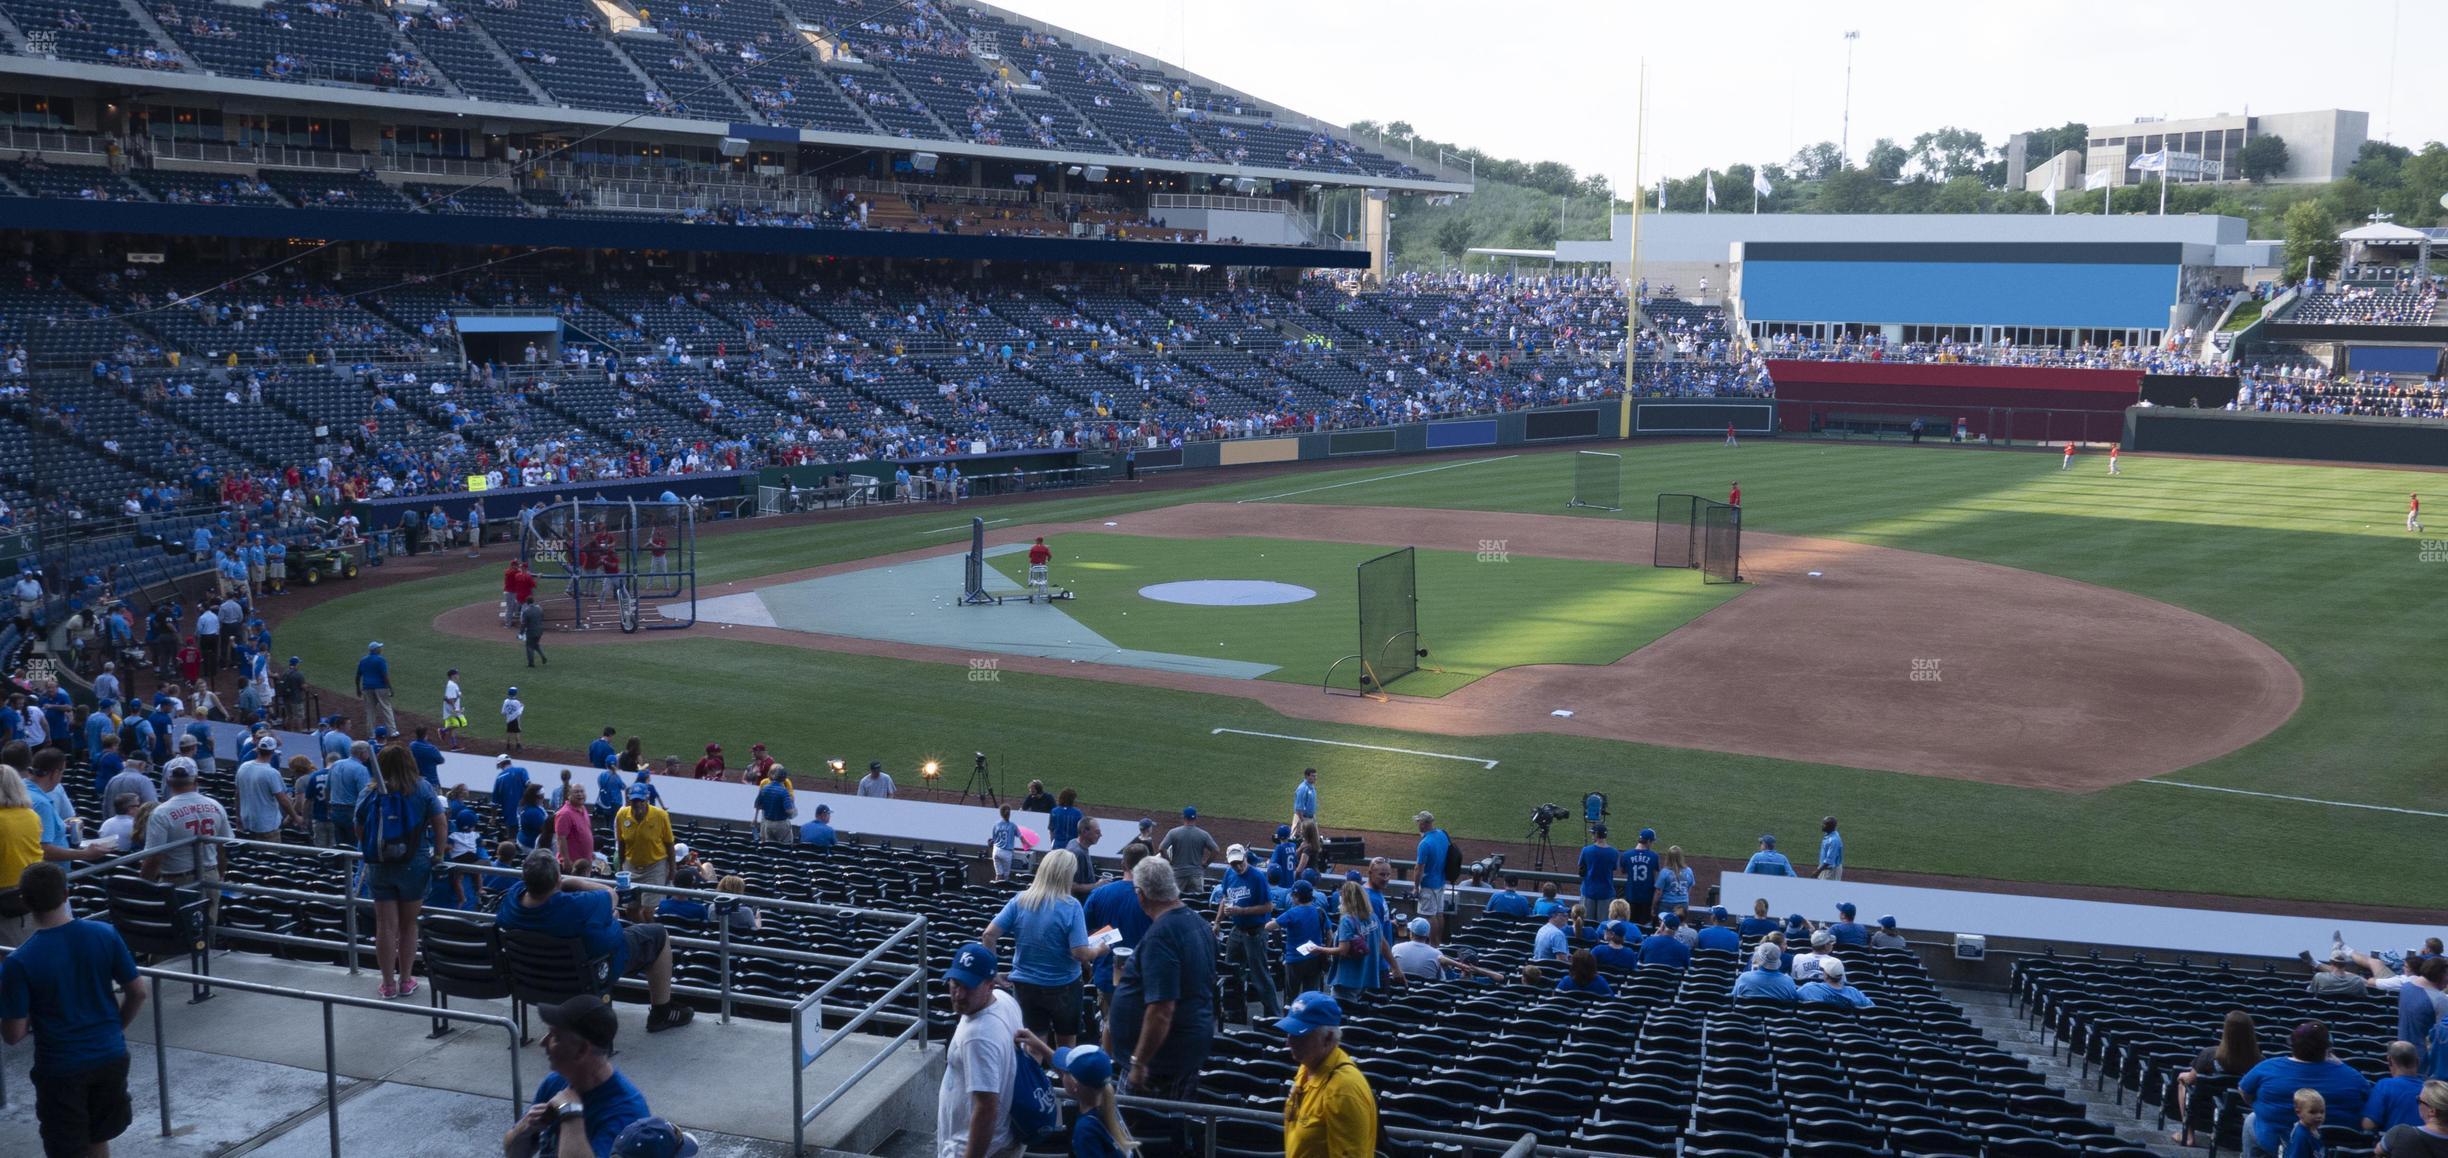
{"x": 386, "y": 836}
{"x": 1032, "y": 1109}
{"x": 1453, "y": 861}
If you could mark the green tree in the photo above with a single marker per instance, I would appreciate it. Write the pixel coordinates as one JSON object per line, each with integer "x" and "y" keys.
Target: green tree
{"x": 2424, "y": 178}
{"x": 2264, "y": 157}
{"x": 1886, "y": 159}
{"x": 1453, "y": 235}
{"x": 1850, "y": 190}
{"x": 1814, "y": 162}
{"x": 2041, "y": 144}
{"x": 1960, "y": 195}
{"x": 2380, "y": 165}
{"x": 2311, "y": 239}
{"x": 1541, "y": 232}
{"x": 1948, "y": 153}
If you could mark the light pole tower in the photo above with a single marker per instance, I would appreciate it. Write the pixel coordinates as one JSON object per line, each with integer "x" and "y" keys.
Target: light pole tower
{"x": 1844, "y": 137}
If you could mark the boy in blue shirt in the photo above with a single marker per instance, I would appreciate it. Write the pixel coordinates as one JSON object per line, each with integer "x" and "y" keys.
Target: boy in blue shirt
{"x": 57, "y": 988}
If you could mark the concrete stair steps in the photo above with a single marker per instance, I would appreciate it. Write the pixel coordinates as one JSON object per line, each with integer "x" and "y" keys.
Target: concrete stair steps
{"x": 1993, "y": 1014}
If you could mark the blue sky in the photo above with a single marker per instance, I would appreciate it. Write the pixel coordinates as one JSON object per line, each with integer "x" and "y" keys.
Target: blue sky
{"x": 1554, "y": 79}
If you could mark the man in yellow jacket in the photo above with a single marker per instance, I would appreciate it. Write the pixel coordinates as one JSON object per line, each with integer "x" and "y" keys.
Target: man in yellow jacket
{"x": 645, "y": 835}
{"x": 1331, "y": 1112}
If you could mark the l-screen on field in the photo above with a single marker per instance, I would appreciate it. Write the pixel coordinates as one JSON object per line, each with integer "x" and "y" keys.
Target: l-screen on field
{"x": 1480, "y": 611}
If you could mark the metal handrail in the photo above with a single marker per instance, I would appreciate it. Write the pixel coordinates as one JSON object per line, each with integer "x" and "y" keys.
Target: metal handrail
{"x": 331, "y": 1069}
{"x": 802, "y": 1057}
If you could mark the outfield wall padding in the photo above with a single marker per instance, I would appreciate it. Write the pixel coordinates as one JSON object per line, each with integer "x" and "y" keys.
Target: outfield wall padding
{"x": 2317, "y": 437}
{"x": 2024, "y": 403}
{"x": 1242, "y": 451}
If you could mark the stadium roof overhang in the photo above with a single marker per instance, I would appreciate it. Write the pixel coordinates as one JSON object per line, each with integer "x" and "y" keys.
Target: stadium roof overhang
{"x": 141, "y": 218}
{"x": 501, "y": 118}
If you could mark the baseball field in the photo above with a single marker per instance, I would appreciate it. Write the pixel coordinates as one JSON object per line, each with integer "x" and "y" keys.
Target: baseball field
{"x": 2200, "y": 676}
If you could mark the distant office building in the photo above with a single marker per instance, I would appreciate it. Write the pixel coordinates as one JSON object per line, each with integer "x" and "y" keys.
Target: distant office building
{"x": 2321, "y": 145}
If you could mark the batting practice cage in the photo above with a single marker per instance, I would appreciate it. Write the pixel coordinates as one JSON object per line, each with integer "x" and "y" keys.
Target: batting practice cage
{"x": 631, "y": 565}
{"x": 1597, "y": 480}
{"x": 973, "y": 576}
{"x": 1702, "y": 533}
{"x": 1390, "y": 643}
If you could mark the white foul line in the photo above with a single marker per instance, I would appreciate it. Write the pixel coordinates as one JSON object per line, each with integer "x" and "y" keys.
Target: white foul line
{"x": 1375, "y": 478}
{"x": 1484, "y": 763}
{"x": 962, "y": 527}
{"x": 2299, "y": 799}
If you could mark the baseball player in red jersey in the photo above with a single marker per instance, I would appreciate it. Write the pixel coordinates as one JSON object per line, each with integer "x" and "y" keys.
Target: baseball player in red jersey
{"x": 1729, "y": 434}
{"x": 2112, "y": 458}
{"x": 1734, "y": 496}
{"x": 2068, "y": 464}
{"x": 2413, "y": 511}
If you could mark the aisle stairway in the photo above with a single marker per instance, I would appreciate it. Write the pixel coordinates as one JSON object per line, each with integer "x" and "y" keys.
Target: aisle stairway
{"x": 1992, "y": 1013}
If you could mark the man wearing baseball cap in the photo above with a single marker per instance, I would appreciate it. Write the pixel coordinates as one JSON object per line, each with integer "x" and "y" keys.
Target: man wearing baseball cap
{"x": 875, "y": 783}
{"x": 970, "y": 1121}
{"x": 1768, "y": 861}
{"x": 1640, "y": 876}
{"x": 374, "y": 685}
{"x": 818, "y": 833}
{"x": 1188, "y": 848}
{"x": 1245, "y": 907}
{"x": 1330, "y": 1111}
{"x": 583, "y": 1093}
{"x": 1849, "y": 931}
{"x": 264, "y": 799}
{"x": 654, "y": 1138}
{"x": 645, "y": 834}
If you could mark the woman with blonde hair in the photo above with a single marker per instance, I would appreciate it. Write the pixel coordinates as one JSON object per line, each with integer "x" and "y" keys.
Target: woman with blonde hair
{"x": 1359, "y": 945}
{"x": 1674, "y": 882}
{"x": 1049, "y": 931}
{"x": 1619, "y": 909}
{"x": 20, "y": 846}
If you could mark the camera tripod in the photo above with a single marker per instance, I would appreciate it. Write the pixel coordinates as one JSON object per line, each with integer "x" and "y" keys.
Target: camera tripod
{"x": 1542, "y": 844}
{"x": 981, "y": 783}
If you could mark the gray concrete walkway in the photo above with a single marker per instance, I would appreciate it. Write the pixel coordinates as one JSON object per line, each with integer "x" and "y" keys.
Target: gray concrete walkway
{"x": 246, "y": 1076}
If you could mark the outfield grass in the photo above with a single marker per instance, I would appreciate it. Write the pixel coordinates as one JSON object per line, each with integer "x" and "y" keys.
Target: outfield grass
{"x": 2312, "y": 560}
{"x": 1487, "y": 615}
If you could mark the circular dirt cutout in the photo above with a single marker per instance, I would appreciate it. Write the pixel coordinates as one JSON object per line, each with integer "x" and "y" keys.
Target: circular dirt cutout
{"x": 1227, "y": 592}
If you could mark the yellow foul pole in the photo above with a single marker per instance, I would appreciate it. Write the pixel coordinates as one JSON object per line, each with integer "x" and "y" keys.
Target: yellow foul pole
{"x": 1631, "y": 284}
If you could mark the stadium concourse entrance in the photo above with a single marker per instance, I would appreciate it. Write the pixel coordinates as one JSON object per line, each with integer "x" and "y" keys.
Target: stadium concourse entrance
{"x": 630, "y": 565}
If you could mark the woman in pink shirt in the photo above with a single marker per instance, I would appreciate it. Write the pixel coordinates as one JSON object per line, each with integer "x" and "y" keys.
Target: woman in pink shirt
{"x": 574, "y": 832}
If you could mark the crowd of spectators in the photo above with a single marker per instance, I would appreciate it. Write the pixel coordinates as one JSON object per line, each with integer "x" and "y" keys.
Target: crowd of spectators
{"x": 2168, "y": 358}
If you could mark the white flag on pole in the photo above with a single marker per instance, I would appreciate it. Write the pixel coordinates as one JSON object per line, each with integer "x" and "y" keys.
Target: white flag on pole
{"x": 2050, "y": 195}
{"x": 1708, "y": 184}
{"x": 2095, "y": 179}
{"x": 2156, "y": 162}
{"x": 1759, "y": 184}
{"x": 1661, "y": 195}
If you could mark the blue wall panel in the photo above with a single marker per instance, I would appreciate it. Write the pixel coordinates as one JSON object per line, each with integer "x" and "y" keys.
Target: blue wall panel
{"x": 1959, "y": 293}
{"x": 1479, "y": 432}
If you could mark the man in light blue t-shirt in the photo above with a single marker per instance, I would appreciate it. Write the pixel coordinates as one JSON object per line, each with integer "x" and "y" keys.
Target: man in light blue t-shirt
{"x": 1434, "y": 844}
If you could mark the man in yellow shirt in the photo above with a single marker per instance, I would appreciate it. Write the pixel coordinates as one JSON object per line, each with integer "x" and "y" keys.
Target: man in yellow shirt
{"x": 1331, "y": 1112}
{"x": 645, "y": 834}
